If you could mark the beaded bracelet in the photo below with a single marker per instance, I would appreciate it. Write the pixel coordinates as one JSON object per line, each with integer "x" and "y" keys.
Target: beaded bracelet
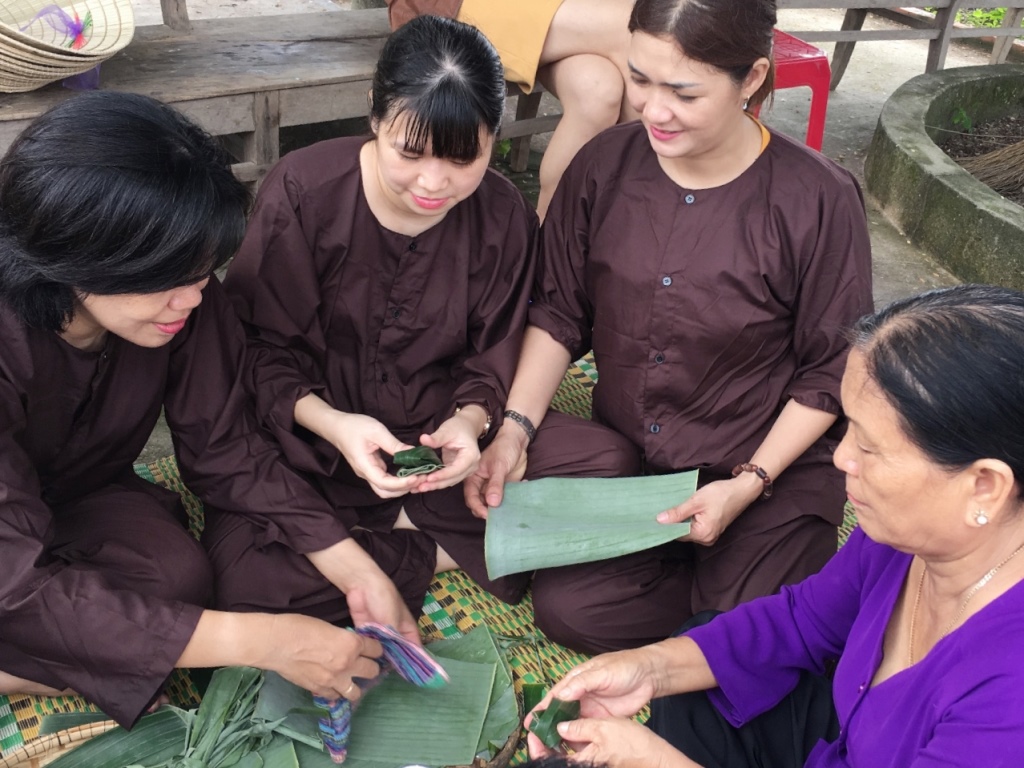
{"x": 768, "y": 485}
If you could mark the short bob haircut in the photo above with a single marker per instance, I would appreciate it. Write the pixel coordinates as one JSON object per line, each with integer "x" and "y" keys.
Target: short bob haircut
{"x": 111, "y": 193}
{"x": 446, "y": 77}
{"x": 729, "y": 35}
{"x": 949, "y": 362}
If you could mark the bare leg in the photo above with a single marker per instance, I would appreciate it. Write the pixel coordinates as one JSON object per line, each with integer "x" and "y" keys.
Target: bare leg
{"x": 11, "y": 684}
{"x": 444, "y": 560}
{"x": 584, "y": 64}
{"x": 590, "y": 89}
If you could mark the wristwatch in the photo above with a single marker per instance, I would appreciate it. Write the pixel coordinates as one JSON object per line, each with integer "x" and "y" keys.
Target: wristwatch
{"x": 487, "y": 424}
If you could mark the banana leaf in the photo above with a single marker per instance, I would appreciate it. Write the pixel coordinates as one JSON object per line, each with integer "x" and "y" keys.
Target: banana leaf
{"x": 62, "y": 721}
{"x": 545, "y": 723}
{"x": 155, "y": 739}
{"x": 564, "y": 521}
{"x": 417, "y": 461}
{"x": 503, "y": 712}
{"x": 395, "y": 723}
{"x": 222, "y": 731}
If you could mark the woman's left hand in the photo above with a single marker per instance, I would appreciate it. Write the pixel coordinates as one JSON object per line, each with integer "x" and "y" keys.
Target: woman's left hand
{"x": 615, "y": 742}
{"x": 457, "y": 441}
{"x": 713, "y": 508}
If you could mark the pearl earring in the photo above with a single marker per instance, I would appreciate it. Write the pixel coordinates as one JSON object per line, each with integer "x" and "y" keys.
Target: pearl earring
{"x": 746, "y": 102}
{"x": 980, "y": 517}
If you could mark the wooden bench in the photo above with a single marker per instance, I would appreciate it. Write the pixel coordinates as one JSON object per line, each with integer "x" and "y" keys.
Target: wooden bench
{"x": 243, "y": 79}
{"x": 939, "y": 32}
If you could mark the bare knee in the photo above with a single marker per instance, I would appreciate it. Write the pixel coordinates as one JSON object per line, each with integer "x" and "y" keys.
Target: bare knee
{"x": 590, "y": 89}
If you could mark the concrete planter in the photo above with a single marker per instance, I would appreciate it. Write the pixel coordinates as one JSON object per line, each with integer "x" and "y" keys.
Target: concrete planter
{"x": 976, "y": 233}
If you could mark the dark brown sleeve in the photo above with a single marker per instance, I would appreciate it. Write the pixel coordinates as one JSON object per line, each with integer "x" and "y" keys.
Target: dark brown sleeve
{"x": 113, "y": 646}
{"x": 225, "y": 458}
{"x": 503, "y": 273}
{"x": 402, "y": 11}
{"x": 835, "y": 290}
{"x": 561, "y": 305}
{"x": 275, "y": 290}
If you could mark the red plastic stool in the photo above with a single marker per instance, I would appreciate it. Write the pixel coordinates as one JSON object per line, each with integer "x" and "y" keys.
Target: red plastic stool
{"x": 798, "y": 63}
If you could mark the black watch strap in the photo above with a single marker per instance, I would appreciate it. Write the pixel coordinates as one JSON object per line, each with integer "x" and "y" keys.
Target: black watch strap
{"x": 522, "y": 421}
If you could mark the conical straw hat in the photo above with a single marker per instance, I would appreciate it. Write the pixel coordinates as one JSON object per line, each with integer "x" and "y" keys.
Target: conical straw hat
{"x": 110, "y": 25}
{"x": 26, "y": 52}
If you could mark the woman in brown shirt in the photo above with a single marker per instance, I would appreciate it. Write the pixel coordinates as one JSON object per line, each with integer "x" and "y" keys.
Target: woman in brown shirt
{"x": 713, "y": 266}
{"x": 385, "y": 283}
{"x": 114, "y": 211}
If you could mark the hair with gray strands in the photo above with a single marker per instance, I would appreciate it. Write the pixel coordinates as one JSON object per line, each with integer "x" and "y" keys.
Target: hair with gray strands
{"x": 447, "y": 79}
{"x": 729, "y": 35}
{"x": 951, "y": 362}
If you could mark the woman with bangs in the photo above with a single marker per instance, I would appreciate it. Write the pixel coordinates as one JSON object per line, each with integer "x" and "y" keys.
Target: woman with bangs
{"x": 114, "y": 212}
{"x": 385, "y": 283}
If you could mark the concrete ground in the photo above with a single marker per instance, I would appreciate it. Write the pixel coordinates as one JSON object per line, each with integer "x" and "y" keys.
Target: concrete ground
{"x": 876, "y": 69}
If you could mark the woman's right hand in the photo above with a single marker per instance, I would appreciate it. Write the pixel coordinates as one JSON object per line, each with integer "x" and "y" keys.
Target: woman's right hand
{"x": 503, "y": 461}
{"x": 615, "y": 684}
{"x": 319, "y": 657}
{"x": 360, "y": 439}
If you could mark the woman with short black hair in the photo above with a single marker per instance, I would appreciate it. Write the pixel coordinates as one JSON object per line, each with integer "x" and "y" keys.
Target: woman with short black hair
{"x": 114, "y": 212}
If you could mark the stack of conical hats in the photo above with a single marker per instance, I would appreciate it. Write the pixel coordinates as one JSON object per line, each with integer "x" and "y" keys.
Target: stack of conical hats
{"x": 42, "y": 41}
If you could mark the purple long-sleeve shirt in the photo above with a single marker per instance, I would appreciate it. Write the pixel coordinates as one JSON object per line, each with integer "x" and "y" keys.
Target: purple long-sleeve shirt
{"x": 961, "y": 705}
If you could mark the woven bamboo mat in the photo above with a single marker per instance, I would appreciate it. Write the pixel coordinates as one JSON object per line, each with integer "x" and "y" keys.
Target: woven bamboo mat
{"x": 454, "y": 604}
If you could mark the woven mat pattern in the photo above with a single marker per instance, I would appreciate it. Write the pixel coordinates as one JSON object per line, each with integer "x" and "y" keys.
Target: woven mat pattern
{"x": 454, "y": 604}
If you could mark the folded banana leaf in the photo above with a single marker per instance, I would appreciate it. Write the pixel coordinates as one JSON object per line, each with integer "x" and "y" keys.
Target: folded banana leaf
{"x": 565, "y": 521}
{"x": 417, "y": 461}
{"x": 545, "y": 723}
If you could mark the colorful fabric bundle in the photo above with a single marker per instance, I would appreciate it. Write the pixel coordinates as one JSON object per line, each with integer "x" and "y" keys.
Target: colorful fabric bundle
{"x": 408, "y": 660}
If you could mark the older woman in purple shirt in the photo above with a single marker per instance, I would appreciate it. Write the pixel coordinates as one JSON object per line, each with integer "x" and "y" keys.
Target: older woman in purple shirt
{"x": 923, "y": 608}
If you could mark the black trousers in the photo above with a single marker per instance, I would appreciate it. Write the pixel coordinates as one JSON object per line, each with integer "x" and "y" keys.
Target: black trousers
{"x": 782, "y": 737}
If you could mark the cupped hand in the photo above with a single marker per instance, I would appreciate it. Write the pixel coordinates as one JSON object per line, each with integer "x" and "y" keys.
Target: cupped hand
{"x": 361, "y": 439}
{"x": 615, "y": 684}
{"x": 503, "y": 461}
{"x": 323, "y": 659}
{"x": 712, "y": 509}
{"x": 377, "y": 600}
{"x": 456, "y": 441}
{"x": 614, "y": 742}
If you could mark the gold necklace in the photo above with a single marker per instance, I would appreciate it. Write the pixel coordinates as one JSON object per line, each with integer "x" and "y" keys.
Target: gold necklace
{"x": 963, "y": 606}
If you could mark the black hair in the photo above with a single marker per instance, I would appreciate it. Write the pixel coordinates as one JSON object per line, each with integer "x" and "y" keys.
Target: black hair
{"x": 559, "y": 761}
{"x": 729, "y": 35}
{"x": 112, "y": 193}
{"x": 446, "y": 77}
{"x": 950, "y": 363}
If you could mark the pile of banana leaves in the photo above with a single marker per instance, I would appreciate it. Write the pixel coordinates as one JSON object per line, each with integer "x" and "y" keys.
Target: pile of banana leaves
{"x": 252, "y": 719}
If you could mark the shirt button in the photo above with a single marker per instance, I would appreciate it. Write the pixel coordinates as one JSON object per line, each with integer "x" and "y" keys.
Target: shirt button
{"x": 412, "y": 246}
{"x": 689, "y": 199}
{"x": 666, "y": 281}
{"x": 659, "y": 358}
{"x": 655, "y": 429}
{"x": 396, "y": 312}
{"x": 384, "y": 378}
{"x": 861, "y": 687}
